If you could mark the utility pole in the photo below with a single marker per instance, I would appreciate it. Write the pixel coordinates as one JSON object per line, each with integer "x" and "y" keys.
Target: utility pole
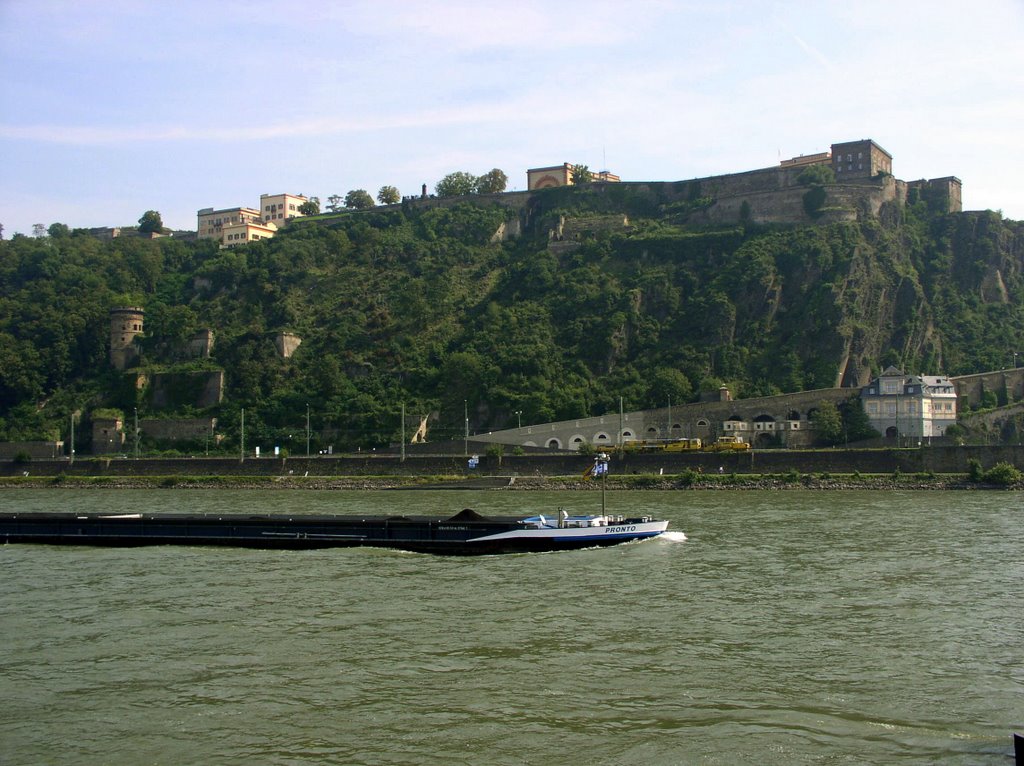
{"x": 136, "y": 433}
{"x": 618, "y": 439}
{"x": 71, "y": 455}
{"x": 307, "y": 430}
{"x": 403, "y": 432}
{"x": 242, "y": 454}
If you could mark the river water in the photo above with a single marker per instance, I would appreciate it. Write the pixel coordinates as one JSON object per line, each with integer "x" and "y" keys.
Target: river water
{"x": 786, "y": 628}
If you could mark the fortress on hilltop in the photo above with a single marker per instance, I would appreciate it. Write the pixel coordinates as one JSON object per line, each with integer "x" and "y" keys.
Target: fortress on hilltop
{"x": 855, "y": 182}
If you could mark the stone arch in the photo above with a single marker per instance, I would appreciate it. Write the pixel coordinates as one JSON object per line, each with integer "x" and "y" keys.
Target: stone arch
{"x": 601, "y": 439}
{"x": 793, "y": 415}
{"x": 676, "y": 429}
{"x": 763, "y": 439}
{"x": 577, "y": 441}
{"x": 892, "y": 432}
{"x": 627, "y": 434}
{"x": 704, "y": 424}
{"x": 652, "y": 432}
{"x": 529, "y": 444}
{"x": 554, "y": 443}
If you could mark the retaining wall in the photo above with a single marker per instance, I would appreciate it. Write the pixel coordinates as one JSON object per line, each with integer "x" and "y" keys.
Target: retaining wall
{"x": 952, "y": 459}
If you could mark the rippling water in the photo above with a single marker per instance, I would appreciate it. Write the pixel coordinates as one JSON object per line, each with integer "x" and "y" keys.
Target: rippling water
{"x": 788, "y": 627}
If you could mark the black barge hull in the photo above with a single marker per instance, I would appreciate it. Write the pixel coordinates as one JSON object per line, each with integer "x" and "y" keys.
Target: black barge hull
{"x": 451, "y": 536}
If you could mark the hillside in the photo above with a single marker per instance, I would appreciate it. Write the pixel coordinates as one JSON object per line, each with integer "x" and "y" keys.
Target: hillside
{"x": 603, "y": 295}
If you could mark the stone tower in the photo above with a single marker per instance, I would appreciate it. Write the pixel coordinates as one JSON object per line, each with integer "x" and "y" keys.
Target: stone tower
{"x": 125, "y": 327}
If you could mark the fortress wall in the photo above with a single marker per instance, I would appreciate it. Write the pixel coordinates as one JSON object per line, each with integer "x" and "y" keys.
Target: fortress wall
{"x": 690, "y": 419}
{"x": 174, "y": 429}
{"x": 1008, "y": 386}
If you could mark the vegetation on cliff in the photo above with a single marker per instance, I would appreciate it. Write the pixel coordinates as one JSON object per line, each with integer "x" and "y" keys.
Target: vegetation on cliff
{"x": 425, "y": 306}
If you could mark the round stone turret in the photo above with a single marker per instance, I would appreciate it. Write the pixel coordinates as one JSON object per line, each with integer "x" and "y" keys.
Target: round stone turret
{"x": 125, "y": 327}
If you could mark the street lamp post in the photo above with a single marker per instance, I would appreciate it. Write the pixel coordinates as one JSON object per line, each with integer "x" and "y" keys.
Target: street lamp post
{"x": 519, "y": 418}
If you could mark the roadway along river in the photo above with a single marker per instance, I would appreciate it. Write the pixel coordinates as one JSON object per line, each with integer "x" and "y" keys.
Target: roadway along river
{"x": 789, "y": 627}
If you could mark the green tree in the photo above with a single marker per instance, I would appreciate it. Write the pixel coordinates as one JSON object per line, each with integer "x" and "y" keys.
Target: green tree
{"x": 816, "y": 175}
{"x": 581, "y": 174}
{"x": 670, "y": 385}
{"x": 856, "y": 425}
{"x": 59, "y": 231}
{"x": 492, "y": 182}
{"x": 358, "y": 199}
{"x": 388, "y": 195}
{"x": 151, "y": 223}
{"x": 334, "y": 203}
{"x": 457, "y": 184}
{"x": 828, "y": 425}
{"x": 310, "y": 206}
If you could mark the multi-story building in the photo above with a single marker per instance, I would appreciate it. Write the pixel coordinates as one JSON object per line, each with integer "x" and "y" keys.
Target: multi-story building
{"x": 860, "y": 159}
{"x": 915, "y": 406}
{"x": 561, "y": 175}
{"x": 212, "y": 222}
{"x": 246, "y": 231}
{"x": 236, "y": 225}
{"x": 278, "y": 208}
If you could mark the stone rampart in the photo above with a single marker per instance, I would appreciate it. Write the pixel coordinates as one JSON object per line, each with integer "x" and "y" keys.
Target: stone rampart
{"x": 1007, "y": 385}
{"x": 177, "y": 429}
{"x": 40, "y": 450}
{"x": 784, "y": 418}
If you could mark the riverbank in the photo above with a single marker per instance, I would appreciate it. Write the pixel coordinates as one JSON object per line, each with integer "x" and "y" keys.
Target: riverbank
{"x": 687, "y": 481}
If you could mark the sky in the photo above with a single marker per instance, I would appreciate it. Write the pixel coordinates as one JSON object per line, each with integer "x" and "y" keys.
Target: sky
{"x": 111, "y": 108}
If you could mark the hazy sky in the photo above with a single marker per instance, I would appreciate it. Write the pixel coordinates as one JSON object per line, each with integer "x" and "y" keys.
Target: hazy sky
{"x": 108, "y": 109}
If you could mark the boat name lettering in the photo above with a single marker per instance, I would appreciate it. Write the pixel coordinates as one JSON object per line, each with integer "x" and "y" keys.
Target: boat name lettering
{"x": 461, "y": 529}
{"x": 619, "y": 530}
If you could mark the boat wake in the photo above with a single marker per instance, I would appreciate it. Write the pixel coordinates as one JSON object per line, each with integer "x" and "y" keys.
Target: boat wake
{"x": 673, "y": 537}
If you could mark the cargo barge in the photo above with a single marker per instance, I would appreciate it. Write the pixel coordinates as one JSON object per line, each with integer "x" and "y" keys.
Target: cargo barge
{"x": 465, "y": 533}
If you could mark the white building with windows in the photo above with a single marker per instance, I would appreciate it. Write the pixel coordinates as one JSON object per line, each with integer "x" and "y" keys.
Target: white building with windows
{"x": 914, "y": 406}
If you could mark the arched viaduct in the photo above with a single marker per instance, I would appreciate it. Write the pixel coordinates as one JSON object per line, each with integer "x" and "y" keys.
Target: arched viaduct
{"x": 783, "y": 419}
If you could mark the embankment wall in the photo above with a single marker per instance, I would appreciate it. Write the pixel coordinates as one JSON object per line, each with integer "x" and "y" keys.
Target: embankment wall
{"x": 940, "y": 460}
